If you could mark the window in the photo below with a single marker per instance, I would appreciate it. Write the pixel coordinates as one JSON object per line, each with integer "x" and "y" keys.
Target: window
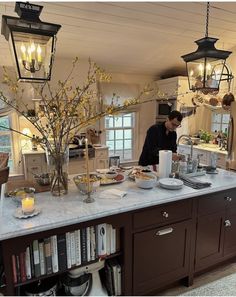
{"x": 220, "y": 122}
{"x": 6, "y": 139}
{"x": 120, "y": 135}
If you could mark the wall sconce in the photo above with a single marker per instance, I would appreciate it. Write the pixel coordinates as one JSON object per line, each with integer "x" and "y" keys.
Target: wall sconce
{"x": 32, "y": 42}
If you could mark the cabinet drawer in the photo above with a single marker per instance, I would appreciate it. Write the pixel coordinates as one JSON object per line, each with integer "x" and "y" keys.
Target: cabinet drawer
{"x": 34, "y": 160}
{"x": 101, "y": 154}
{"x": 171, "y": 212}
{"x": 221, "y": 161}
{"x": 217, "y": 202}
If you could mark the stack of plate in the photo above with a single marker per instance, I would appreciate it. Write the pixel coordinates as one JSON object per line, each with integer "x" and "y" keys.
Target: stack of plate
{"x": 171, "y": 183}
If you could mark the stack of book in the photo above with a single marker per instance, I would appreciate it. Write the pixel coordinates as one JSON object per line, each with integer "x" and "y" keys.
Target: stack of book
{"x": 64, "y": 251}
{"x": 113, "y": 277}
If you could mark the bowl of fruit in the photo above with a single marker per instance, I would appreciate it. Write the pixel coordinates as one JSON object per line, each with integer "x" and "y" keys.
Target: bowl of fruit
{"x": 86, "y": 186}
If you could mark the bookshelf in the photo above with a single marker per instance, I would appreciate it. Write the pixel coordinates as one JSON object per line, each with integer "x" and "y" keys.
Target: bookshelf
{"x": 15, "y": 246}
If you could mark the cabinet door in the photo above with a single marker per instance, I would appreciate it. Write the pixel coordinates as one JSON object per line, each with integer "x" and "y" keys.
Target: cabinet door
{"x": 160, "y": 255}
{"x": 209, "y": 245}
{"x": 102, "y": 164}
{"x": 230, "y": 232}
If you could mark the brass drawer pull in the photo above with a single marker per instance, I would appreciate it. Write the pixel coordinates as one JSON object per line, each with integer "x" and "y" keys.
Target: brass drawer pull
{"x": 164, "y": 231}
{"x": 165, "y": 214}
{"x": 227, "y": 223}
{"x": 227, "y": 198}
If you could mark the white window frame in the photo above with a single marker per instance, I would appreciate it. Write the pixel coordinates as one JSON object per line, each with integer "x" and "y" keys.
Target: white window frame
{"x": 134, "y": 145}
{"x": 221, "y": 120}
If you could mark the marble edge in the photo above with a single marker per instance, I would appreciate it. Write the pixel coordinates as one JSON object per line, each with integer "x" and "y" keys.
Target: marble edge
{"x": 135, "y": 206}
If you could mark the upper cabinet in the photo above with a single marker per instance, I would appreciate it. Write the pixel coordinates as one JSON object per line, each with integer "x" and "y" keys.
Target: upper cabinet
{"x": 176, "y": 87}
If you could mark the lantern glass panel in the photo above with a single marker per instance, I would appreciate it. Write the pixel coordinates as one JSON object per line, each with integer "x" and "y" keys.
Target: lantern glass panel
{"x": 205, "y": 73}
{"x": 33, "y": 55}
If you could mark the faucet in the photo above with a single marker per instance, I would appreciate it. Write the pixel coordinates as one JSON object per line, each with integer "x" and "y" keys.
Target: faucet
{"x": 191, "y": 143}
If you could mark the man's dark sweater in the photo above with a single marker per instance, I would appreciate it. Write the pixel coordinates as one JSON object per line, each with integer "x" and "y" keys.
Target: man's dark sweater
{"x": 156, "y": 140}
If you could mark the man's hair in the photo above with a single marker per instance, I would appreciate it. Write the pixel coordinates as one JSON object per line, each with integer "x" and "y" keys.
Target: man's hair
{"x": 175, "y": 114}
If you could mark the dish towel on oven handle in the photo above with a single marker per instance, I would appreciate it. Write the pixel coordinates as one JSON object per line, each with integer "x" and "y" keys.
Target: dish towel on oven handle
{"x": 112, "y": 193}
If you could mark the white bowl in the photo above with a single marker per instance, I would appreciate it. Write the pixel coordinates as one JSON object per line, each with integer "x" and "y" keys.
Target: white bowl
{"x": 171, "y": 183}
{"x": 111, "y": 174}
{"x": 146, "y": 180}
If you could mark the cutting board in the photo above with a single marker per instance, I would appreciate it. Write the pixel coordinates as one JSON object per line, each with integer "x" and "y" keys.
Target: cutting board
{"x": 12, "y": 185}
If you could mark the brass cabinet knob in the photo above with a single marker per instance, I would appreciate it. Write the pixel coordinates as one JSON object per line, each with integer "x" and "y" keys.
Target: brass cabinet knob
{"x": 227, "y": 198}
{"x": 165, "y": 214}
{"x": 227, "y": 223}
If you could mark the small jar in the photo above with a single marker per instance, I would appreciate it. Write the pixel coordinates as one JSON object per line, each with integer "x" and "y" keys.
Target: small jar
{"x": 183, "y": 167}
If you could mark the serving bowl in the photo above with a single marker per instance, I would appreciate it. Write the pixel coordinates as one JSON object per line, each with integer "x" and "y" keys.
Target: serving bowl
{"x": 81, "y": 183}
{"x": 19, "y": 193}
{"x": 145, "y": 180}
{"x": 111, "y": 174}
{"x": 42, "y": 179}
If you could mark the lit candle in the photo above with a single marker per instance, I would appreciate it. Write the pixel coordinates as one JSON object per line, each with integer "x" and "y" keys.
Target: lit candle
{"x": 87, "y": 165}
{"x": 32, "y": 47}
{"x": 23, "y": 51}
{"x": 27, "y": 204}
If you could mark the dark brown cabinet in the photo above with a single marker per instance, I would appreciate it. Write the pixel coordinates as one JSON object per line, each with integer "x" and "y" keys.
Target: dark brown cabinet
{"x": 230, "y": 232}
{"x": 161, "y": 255}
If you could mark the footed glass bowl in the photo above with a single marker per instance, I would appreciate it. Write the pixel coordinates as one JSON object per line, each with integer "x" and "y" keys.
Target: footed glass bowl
{"x": 82, "y": 183}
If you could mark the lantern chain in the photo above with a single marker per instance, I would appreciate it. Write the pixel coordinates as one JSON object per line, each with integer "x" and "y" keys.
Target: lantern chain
{"x": 207, "y": 18}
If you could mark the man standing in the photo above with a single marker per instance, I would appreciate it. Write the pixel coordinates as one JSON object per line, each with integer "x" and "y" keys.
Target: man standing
{"x": 161, "y": 137}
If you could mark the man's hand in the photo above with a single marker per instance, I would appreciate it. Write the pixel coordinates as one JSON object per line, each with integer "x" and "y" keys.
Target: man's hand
{"x": 175, "y": 157}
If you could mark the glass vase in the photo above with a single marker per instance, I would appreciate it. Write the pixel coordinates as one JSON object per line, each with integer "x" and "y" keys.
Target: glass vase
{"x": 58, "y": 168}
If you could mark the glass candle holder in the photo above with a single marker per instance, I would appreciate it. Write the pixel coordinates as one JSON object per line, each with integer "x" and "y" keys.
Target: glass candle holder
{"x": 27, "y": 204}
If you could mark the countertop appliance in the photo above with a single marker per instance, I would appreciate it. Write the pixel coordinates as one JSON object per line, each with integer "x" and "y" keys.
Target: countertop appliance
{"x": 164, "y": 108}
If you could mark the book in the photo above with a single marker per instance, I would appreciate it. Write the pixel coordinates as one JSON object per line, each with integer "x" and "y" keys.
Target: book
{"x": 68, "y": 250}
{"x": 18, "y": 269}
{"x": 13, "y": 258}
{"x": 92, "y": 243}
{"x": 102, "y": 241}
{"x": 108, "y": 238}
{"x": 72, "y": 248}
{"x": 28, "y": 263}
{"x": 108, "y": 280}
{"x": 113, "y": 263}
{"x": 61, "y": 250}
{"x": 88, "y": 240}
{"x": 54, "y": 252}
{"x": 22, "y": 267}
{"x": 77, "y": 248}
{"x": 32, "y": 260}
{"x": 48, "y": 255}
{"x": 36, "y": 258}
{"x": 113, "y": 240}
{"x": 83, "y": 238}
{"x": 42, "y": 257}
{"x": 119, "y": 287}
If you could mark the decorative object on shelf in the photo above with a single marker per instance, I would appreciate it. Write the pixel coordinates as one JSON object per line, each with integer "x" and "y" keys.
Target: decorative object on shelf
{"x": 206, "y": 66}
{"x": 32, "y": 41}
{"x": 20, "y": 214}
{"x": 68, "y": 109}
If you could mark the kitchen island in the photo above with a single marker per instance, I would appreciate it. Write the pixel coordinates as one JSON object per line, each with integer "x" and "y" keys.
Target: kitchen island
{"x": 165, "y": 235}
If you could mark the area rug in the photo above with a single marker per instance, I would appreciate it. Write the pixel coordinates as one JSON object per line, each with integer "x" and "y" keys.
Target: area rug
{"x": 225, "y": 286}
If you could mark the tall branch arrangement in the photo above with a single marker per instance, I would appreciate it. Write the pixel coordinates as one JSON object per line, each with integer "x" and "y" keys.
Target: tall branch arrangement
{"x": 70, "y": 108}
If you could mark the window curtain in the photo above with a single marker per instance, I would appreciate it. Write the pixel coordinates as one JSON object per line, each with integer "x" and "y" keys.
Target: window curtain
{"x": 122, "y": 92}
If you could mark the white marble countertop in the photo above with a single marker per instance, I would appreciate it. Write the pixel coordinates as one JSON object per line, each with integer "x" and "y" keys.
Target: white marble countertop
{"x": 207, "y": 147}
{"x": 70, "y": 209}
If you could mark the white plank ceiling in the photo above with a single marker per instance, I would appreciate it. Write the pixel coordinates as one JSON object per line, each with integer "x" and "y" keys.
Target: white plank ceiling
{"x": 133, "y": 37}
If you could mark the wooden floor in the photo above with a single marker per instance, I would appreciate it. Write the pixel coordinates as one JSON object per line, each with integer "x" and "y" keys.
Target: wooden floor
{"x": 221, "y": 281}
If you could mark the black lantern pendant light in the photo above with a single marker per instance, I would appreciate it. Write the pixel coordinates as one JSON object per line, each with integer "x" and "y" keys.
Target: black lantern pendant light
{"x": 206, "y": 66}
{"x": 32, "y": 42}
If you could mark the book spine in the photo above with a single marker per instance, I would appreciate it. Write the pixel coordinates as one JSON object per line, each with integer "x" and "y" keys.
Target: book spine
{"x": 48, "y": 255}
{"x": 42, "y": 258}
{"x": 68, "y": 250}
{"x": 72, "y": 248}
{"x": 18, "y": 269}
{"x": 32, "y": 261}
{"x": 22, "y": 267}
{"x": 36, "y": 258}
{"x": 13, "y": 257}
{"x": 77, "y": 248}
{"x": 119, "y": 280}
{"x": 62, "y": 257}
{"x": 108, "y": 238}
{"x": 54, "y": 252}
{"x": 93, "y": 243}
{"x": 113, "y": 240}
{"x": 88, "y": 244}
{"x": 83, "y": 238}
{"x": 28, "y": 263}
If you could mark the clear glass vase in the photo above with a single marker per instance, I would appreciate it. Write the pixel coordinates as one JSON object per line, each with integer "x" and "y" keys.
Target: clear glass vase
{"x": 58, "y": 168}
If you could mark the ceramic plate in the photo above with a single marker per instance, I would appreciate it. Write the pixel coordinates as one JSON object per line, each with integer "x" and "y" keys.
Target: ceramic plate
{"x": 20, "y": 215}
{"x": 109, "y": 181}
{"x": 171, "y": 183}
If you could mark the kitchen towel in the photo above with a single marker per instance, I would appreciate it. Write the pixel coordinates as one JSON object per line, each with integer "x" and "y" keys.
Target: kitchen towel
{"x": 165, "y": 163}
{"x": 193, "y": 182}
{"x": 112, "y": 193}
